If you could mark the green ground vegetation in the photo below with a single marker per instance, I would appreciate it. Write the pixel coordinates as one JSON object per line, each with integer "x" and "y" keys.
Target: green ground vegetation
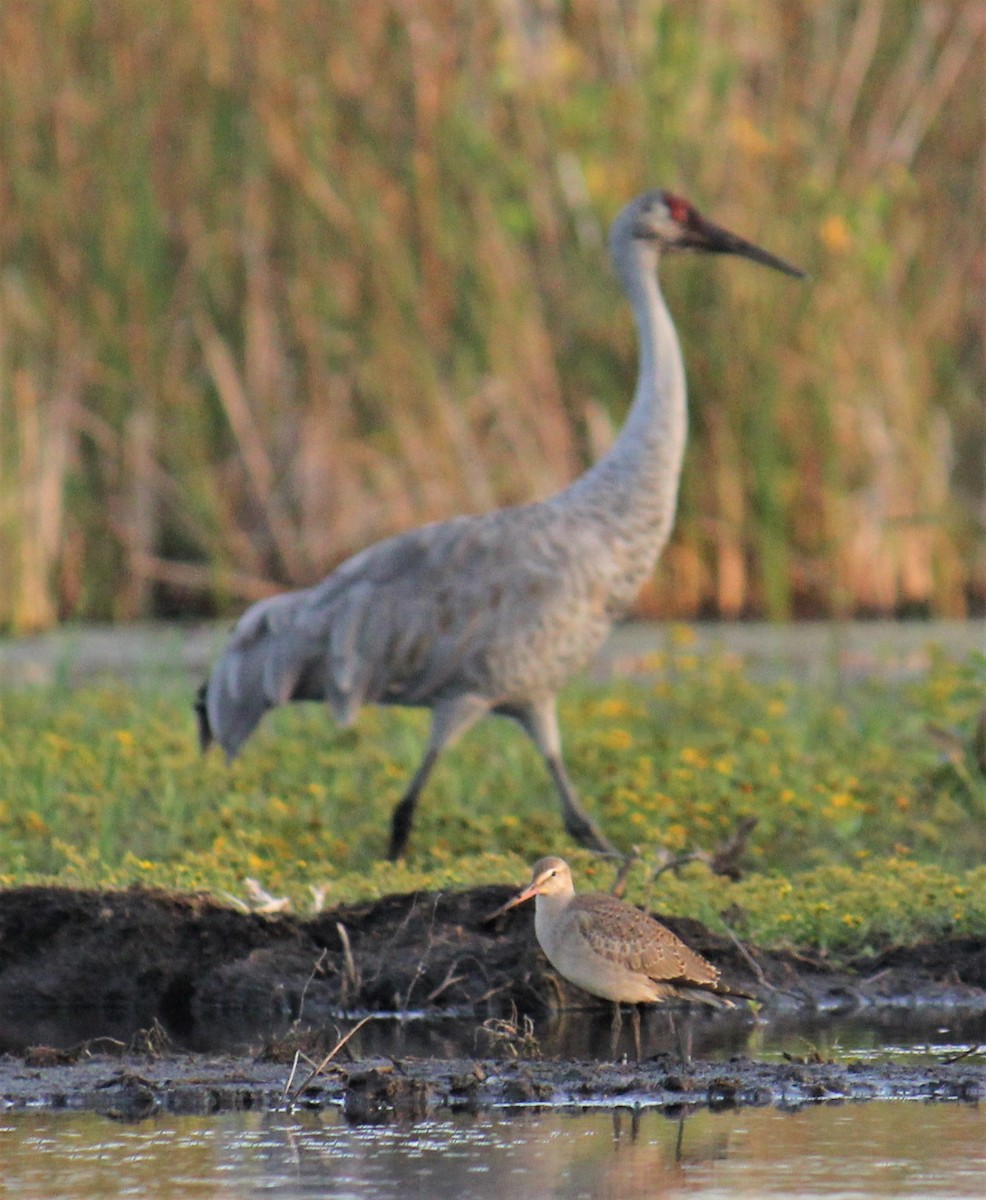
{"x": 870, "y": 798}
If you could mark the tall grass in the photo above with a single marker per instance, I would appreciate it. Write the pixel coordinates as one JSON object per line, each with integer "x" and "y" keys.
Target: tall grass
{"x": 282, "y": 276}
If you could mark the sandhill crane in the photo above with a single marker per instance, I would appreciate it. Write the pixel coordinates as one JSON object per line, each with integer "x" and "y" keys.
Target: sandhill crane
{"x": 492, "y": 613}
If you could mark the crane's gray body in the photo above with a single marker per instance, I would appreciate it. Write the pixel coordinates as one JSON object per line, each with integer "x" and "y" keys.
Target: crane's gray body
{"x": 489, "y": 613}
{"x": 502, "y": 608}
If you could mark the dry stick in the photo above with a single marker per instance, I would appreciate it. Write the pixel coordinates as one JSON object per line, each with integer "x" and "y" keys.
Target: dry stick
{"x": 754, "y": 966}
{"x": 304, "y": 991}
{"x": 757, "y": 969}
{"x": 451, "y": 978}
{"x": 679, "y": 860}
{"x": 350, "y": 979}
{"x": 294, "y": 1067}
{"x": 620, "y": 882}
{"x": 966, "y": 1053}
{"x": 325, "y": 1061}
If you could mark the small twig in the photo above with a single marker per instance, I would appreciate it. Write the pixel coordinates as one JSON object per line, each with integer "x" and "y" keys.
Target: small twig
{"x": 419, "y": 969}
{"x": 294, "y": 1067}
{"x": 328, "y": 1058}
{"x": 672, "y": 864}
{"x": 304, "y": 991}
{"x": 969, "y": 1050}
{"x": 488, "y": 995}
{"x": 620, "y": 882}
{"x": 751, "y": 962}
{"x": 349, "y": 978}
{"x": 450, "y": 979}
{"x": 871, "y": 979}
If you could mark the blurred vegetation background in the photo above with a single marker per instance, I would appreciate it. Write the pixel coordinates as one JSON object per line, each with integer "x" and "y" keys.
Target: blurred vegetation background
{"x": 280, "y": 277}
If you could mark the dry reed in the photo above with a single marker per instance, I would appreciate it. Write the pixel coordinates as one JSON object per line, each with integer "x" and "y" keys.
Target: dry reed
{"x": 280, "y": 277}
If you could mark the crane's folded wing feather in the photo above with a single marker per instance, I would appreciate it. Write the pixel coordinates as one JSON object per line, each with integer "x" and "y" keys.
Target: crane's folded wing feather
{"x": 392, "y": 624}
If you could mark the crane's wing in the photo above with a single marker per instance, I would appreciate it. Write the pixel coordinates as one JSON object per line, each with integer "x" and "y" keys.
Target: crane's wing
{"x": 623, "y": 934}
{"x": 393, "y": 624}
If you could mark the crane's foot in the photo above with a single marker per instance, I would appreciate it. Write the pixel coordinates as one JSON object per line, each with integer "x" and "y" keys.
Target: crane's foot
{"x": 400, "y": 828}
{"x": 587, "y": 833}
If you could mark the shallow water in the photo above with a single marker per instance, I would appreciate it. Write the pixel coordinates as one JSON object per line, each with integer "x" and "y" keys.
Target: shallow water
{"x": 893, "y": 1037}
{"x": 896, "y": 1036}
{"x": 872, "y": 1150}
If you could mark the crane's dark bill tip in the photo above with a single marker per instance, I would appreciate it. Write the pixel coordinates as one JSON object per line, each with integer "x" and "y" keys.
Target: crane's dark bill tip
{"x": 765, "y": 258}
{"x": 716, "y": 240}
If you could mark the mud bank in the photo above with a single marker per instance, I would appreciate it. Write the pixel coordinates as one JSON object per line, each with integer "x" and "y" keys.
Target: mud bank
{"x": 79, "y": 965}
{"x": 385, "y": 1090}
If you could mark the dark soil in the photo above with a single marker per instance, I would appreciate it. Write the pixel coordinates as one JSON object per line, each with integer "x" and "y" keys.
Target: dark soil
{"x": 155, "y": 970}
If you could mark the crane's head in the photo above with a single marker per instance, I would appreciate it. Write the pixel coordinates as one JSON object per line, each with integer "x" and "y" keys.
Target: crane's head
{"x": 672, "y": 223}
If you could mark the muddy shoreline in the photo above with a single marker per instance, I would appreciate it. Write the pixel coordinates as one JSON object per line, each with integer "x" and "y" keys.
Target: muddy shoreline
{"x": 382, "y": 1090}
{"x": 154, "y": 970}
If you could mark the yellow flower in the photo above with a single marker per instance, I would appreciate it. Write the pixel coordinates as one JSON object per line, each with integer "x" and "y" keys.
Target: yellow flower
{"x": 693, "y": 758}
{"x": 675, "y": 837}
{"x": 35, "y": 823}
{"x": 617, "y": 739}
{"x": 835, "y": 234}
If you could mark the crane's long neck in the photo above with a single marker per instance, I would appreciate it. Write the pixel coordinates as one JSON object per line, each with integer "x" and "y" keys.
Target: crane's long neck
{"x": 633, "y": 489}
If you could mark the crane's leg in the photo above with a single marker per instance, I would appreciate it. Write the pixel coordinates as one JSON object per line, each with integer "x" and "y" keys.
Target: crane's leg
{"x": 449, "y": 719}
{"x": 540, "y": 720}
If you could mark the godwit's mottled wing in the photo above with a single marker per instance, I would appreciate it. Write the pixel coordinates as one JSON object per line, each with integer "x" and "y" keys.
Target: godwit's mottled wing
{"x": 623, "y": 934}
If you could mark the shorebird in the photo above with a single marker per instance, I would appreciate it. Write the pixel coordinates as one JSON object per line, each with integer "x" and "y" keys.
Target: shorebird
{"x": 613, "y": 950}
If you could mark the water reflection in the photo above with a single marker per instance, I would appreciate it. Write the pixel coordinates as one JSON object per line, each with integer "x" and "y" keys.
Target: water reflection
{"x": 586, "y": 1035}
{"x": 576, "y": 1034}
{"x": 873, "y": 1150}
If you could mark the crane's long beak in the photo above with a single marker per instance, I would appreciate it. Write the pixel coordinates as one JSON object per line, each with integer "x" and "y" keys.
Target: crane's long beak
{"x": 704, "y": 235}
